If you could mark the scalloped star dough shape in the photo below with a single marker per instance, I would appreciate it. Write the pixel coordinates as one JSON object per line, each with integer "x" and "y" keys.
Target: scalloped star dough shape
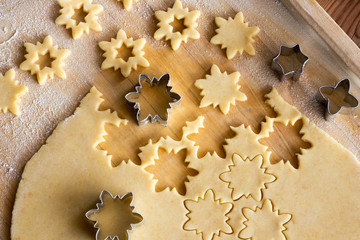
{"x": 220, "y": 89}
{"x": 264, "y": 217}
{"x": 33, "y": 54}
{"x": 59, "y": 184}
{"x": 235, "y": 35}
{"x": 10, "y": 92}
{"x": 208, "y": 225}
{"x": 247, "y": 177}
{"x": 166, "y": 30}
{"x": 91, "y": 20}
{"x": 127, "y": 3}
{"x": 111, "y": 59}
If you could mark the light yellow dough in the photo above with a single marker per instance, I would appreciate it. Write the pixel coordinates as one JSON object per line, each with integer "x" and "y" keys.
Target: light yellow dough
{"x": 319, "y": 200}
{"x": 127, "y": 3}
{"x": 235, "y": 35}
{"x": 220, "y": 89}
{"x": 111, "y": 52}
{"x": 166, "y": 30}
{"x": 91, "y": 20}
{"x": 10, "y": 92}
{"x": 33, "y": 55}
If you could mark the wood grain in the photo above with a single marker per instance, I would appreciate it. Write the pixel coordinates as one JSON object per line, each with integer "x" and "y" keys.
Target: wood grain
{"x": 332, "y": 56}
{"x": 346, "y": 13}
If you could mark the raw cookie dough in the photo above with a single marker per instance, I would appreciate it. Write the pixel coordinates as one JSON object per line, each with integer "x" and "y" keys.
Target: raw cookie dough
{"x": 235, "y": 35}
{"x": 220, "y": 89}
{"x": 10, "y": 92}
{"x": 91, "y": 20}
{"x": 166, "y": 30}
{"x": 127, "y": 3}
{"x": 34, "y": 52}
{"x": 111, "y": 52}
{"x": 63, "y": 181}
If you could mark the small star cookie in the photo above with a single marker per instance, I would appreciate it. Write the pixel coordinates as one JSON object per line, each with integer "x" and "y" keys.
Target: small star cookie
{"x": 235, "y": 35}
{"x": 91, "y": 20}
{"x": 127, "y": 3}
{"x": 166, "y": 30}
{"x": 111, "y": 52}
{"x": 220, "y": 89}
{"x": 10, "y": 92}
{"x": 41, "y": 49}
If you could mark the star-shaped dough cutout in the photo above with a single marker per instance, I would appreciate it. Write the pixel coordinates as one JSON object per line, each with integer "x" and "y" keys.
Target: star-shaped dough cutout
{"x": 166, "y": 30}
{"x": 10, "y": 92}
{"x": 111, "y": 52}
{"x": 127, "y": 4}
{"x": 264, "y": 223}
{"x": 91, "y": 20}
{"x": 235, "y": 35}
{"x": 220, "y": 89}
{"x": 247, "y": 177}
{"x": 40, "y": 49}
{"x": 208, "y": 216}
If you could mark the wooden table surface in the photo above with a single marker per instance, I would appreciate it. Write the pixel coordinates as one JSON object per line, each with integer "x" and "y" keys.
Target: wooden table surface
{"x": 346, "y": 13}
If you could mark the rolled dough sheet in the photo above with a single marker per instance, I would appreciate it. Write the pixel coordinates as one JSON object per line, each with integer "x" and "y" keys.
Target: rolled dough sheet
{"x": 64, "y": 178}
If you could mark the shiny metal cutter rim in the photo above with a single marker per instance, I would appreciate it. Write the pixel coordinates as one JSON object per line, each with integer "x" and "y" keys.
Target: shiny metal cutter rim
{"x": 149, "y": 118}
{"x": 287, "y": 51}
{"x": 345, "y": 83}
{"x": 90, "y": 212}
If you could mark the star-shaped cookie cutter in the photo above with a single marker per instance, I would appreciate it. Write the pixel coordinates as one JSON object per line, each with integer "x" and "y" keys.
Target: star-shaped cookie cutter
{"x": 337, "y": 99}
{"x": 131, "y": 96}
{"x": 98, "y": 208}
{"x": 286, "y": 51}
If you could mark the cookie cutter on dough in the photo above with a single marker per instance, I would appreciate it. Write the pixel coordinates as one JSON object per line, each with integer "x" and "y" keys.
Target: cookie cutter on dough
{"x": 337, "y": 99}
{"x": 176, "y": 98}
{"x": 98, "y": 206}
{"x": 286, "y": 52}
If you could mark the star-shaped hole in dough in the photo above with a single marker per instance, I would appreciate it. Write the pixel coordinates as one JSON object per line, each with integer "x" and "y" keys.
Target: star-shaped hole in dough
{"x": 68, "y": 11}
{"x": 10, "y": 92}
{"x": 166, "y": 30}
{"x": 127, "y": 3}
{"x": 113, "y": 216}
{"x": 264, "y": 223}
{"x": 35, "y": 52}
{"x": 208, "y": 216}
{"x": 247, "y": 177}
{"x": 235, "y": 35}
{"x": 220, "y": 89}
{"x": 112, "y": 51}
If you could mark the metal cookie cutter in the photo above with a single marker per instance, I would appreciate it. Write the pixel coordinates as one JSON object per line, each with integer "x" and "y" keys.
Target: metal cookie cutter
{"x": 337, "y": 99}
{"x": 295, "y": 63}
{"x": 174, "y": 102}
{"x": 127, "y": 198}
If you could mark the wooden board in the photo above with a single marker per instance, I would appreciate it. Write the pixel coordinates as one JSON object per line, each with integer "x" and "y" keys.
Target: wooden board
{"x": 333, "y": 56}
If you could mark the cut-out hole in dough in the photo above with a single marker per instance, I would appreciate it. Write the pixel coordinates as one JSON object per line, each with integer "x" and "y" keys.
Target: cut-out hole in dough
{"x": 178, "y": 25}
{"x": 45, "y": 60}
{"x": 124, "y": 52}
{"x": 174, "y": 164}
{"x": 287, "y": 148}
{"x": 79, "y": 15}
{"x": 211, "y": 139}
